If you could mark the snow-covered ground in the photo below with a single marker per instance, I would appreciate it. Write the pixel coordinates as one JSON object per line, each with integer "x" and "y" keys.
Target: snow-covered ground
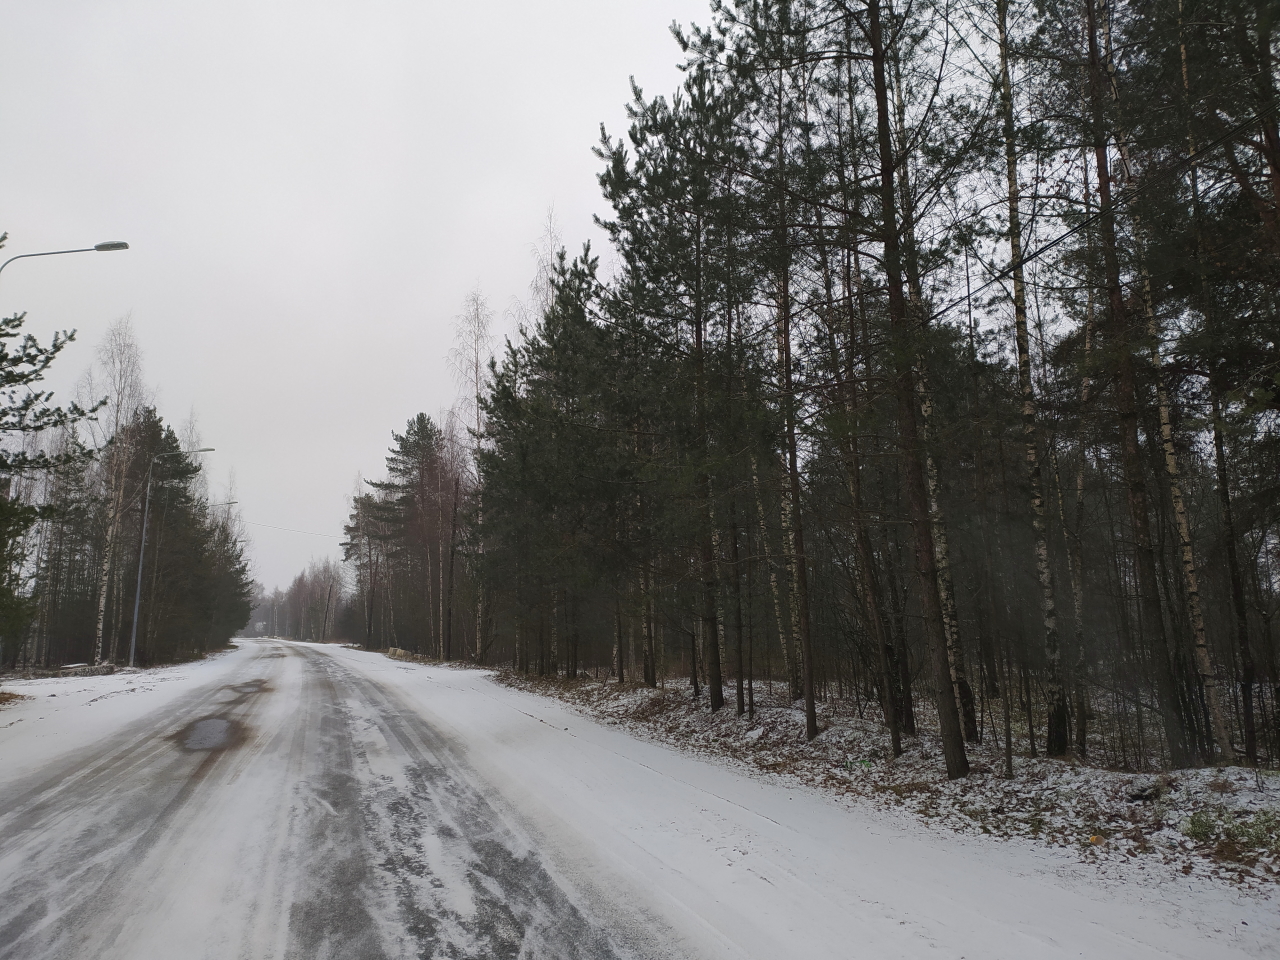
{"x": 61, "y": 715}
{"x": 1221, "y": 823}
{"x": 294, "y": 800}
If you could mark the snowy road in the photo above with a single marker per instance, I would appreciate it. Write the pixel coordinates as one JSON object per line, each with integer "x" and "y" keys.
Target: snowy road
{"x": 289, "y": 800}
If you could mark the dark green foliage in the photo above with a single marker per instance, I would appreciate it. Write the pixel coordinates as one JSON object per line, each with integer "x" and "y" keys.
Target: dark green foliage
{"x": 402, "y": 544}
{"x": 195, "y": 578}
{"x": 786, "y": 437}
{"x": 651, "y": 414}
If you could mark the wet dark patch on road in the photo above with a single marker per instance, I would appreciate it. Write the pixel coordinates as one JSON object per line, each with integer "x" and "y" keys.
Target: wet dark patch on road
{"x": 218, "y": 732}
{"x": 248, "y": 689}
{"x": 210, "y": 733}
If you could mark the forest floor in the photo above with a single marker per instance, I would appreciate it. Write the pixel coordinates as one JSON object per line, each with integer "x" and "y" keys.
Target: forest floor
{"x": 1220, "y": 824}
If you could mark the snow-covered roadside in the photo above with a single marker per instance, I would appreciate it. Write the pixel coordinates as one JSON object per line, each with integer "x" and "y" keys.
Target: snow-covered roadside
{"x": 1219, "y": 824}
{"x": 751, "y": 866}
{"x": 369, "y": 798}
{"x": 57, "y": 715}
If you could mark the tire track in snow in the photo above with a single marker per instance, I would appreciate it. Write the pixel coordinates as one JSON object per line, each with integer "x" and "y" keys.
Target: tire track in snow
{"x": 466, "y": 880}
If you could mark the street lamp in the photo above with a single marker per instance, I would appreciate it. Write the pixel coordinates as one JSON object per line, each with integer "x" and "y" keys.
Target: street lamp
{"x": 104, "y": 247}
{"x": 142, "y": 546}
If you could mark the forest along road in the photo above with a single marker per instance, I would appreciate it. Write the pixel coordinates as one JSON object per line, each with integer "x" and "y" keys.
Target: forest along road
{"x": 296, "y": 800}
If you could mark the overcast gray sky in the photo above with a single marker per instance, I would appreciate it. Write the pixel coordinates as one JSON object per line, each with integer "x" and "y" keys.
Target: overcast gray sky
{"x": 310, "y": 189}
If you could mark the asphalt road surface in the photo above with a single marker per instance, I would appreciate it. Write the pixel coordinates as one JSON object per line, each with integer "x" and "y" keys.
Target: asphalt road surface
{"x": 252, "y": 819}
{"x": 291, "y": 800}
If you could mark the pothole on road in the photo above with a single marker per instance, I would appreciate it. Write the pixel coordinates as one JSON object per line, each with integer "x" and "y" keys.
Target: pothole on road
{"x": 211, "y": 733}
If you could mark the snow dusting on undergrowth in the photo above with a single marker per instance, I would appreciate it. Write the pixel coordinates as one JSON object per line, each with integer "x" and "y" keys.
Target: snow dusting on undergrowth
{"x": 1213, "y": 823}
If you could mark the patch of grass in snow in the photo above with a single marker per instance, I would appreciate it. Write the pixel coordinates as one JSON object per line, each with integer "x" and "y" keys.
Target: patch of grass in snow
{"x": 408, "y": 656}
{"x": 1235, "y": 836}
{"x": 7, "y": 697}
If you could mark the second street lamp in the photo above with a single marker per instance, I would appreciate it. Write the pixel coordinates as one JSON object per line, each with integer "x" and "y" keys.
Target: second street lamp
{"x": 142, "y": 546}
{"x": 103, "y": 247}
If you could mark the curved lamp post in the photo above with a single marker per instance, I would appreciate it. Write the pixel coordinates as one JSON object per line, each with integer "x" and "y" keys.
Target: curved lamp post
{"x": 142, "y": 547}
{"x": 104, "y": 247}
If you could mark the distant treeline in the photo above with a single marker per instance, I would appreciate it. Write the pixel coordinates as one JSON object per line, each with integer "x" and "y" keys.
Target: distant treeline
{"x": 939, "y": 370}
{"x": 316, "y": 607}
{"x": 72, "y": 521}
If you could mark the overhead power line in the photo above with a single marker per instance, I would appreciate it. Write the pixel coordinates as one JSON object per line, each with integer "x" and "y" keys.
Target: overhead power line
{"x": 305, "y": 533}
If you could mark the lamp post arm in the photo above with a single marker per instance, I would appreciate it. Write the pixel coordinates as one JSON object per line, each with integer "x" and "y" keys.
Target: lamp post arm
{"x": 103, "y": 247}
{"x": 48, "y": 253}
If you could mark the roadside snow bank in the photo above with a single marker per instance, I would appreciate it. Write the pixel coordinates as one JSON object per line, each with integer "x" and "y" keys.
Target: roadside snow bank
{"x": 1221, "y": 824}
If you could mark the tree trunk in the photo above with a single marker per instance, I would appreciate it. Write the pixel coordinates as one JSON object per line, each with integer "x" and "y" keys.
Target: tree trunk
{"x": 1057, "y": 735}
{"x": 650, "y": 654}
{"x": 868, "y": 585}
{"x": 620, "y": 641}
{"x": 784, "y": 639}
{"x": 104, "y": 577}
{"x": 913, "y": 466}
{"x": 736, "y": 596}
{"x": 1182, "y": 523}
{"x": 1125, "y": 386}
{"x": 1247, "y": 671}
{"x": 942, "y": 555}
{"x": 448, "y": 603}
{"x": 710, "y": 618}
